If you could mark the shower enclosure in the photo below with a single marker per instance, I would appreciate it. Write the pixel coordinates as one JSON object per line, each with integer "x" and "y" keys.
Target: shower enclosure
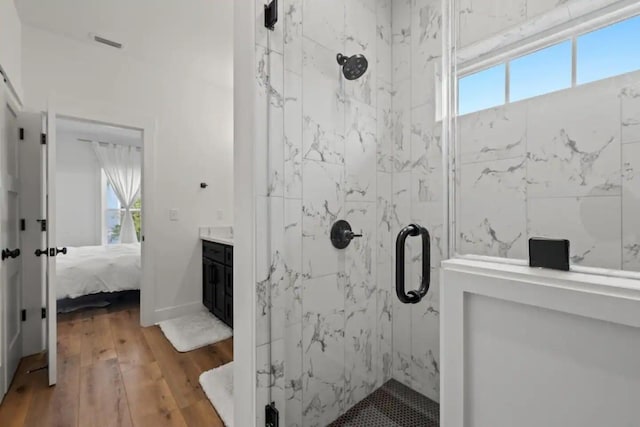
{"x": 476, "y": 125}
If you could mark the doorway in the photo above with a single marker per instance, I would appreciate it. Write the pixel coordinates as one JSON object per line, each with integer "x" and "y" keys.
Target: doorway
{"x": 95, "y": 210}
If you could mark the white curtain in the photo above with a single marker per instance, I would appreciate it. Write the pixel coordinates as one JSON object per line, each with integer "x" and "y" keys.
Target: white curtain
{"x": 122, "y": 166}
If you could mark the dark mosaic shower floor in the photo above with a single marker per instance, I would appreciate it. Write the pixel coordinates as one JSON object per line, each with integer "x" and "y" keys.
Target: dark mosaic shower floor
{"x": 392, "y": 405}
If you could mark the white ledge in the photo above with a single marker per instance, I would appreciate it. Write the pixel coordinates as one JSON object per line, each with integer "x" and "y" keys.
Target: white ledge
{"x": 569, "y": 280}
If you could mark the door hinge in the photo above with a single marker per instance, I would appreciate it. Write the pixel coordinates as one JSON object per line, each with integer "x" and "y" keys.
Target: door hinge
{"x": 23, "y": 224}
{"x": 43, "y": 138}
{"x": 271, "y": 14}
{"x": 43, "y": 224}
{"x": 21, "y": 134}
{"x": 23, "y": 315}
{"x": 271, "y": 417}
{"x": 44, "y": 312}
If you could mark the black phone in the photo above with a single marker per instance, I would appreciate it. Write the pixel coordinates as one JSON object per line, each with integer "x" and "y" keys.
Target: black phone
{"x": 549, "y": 253}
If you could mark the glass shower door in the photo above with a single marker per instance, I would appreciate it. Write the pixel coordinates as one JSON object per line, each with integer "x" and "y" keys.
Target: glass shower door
{"x": 332, "y": 333}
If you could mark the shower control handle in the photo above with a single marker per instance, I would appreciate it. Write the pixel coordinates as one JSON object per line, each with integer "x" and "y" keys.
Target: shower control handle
{"x": 414, "y": 296}
{"x": 342, "y": 234}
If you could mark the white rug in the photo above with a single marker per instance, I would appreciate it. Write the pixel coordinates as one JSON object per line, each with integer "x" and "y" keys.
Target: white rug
{"x": 218, "y": 386}
{"x": 196, "y": 330}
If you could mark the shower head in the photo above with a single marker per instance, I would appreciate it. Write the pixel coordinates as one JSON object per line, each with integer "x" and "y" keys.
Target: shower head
{"x": 353, "y": 67}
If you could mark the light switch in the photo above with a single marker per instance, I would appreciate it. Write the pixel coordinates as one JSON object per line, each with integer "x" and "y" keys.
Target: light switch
{"x": 173, "y": 214}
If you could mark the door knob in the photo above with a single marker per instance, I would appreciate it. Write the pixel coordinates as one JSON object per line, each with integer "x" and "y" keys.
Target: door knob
{"x": 40, "y": 252}
{"x": 62, "y": 251}
{"x": 8, "y": 253}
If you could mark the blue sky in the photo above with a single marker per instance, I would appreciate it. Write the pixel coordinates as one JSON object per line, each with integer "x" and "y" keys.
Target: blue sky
{"x": 603, "y": 53}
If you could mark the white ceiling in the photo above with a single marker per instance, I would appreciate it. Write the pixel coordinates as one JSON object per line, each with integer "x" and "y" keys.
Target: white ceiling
{"x": 197, "y": 33}
{"x": 84, "y": 130}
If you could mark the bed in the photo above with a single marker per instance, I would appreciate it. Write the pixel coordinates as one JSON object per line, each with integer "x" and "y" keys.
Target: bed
{"x": 89, "y": 270}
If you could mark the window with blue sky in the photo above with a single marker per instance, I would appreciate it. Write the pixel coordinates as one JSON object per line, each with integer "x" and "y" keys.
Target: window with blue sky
{"x": 600, "y": 54}
{"x": 610, "y": 51}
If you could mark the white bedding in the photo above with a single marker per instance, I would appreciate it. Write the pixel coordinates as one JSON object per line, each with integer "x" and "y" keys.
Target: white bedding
{"x": 91, "y": 269}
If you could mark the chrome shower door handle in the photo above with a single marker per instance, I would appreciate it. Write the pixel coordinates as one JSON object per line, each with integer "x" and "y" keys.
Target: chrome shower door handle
{"x": 413, "y": 296}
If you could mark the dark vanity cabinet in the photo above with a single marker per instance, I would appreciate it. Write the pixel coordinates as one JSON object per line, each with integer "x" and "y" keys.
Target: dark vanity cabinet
{"x": 217, "y": 280}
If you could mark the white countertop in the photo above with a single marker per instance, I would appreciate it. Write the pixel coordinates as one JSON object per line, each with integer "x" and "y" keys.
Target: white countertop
{"x": 223, "y": 235}
{"x": 216, "y": 239}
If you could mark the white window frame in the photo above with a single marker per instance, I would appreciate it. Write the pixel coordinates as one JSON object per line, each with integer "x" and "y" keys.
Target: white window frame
{"x": 540, "y": 33}
{"x": 564, "y": 22}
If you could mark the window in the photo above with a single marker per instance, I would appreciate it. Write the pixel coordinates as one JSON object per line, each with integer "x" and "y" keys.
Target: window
{"x": 113, "y": 212}
{"x": 544, "y": 71}
{"x": 609, "y": 52}
{"x": 482, "y": 90}
{"x": 600, "y": 54}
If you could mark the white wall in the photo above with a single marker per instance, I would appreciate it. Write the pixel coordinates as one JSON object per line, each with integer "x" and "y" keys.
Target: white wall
{"x": 10, "y": 45}
{"x": 513, "y": 335}
{"x": 78, "y": 218}
{"x": 193, "y": 142}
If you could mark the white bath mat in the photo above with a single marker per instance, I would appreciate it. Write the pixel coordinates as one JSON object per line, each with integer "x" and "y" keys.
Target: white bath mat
{"x": 218, "y": 386}
{"x": 196, "y": 330}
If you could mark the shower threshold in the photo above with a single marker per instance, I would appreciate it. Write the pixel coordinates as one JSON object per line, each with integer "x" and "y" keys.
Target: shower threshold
{"x": 392, "y": 405}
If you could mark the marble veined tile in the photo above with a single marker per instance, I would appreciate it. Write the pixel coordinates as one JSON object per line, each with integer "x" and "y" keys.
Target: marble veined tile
{"x": 293, "y": 36}
{"x": 272, "y": 275}
{"x": 592, "y": 225}
{"x": 360, "y": 38}
{"x": 384, "y": 320}
{"x": 573, "y": 140}
{"x": 630, "y": 97}
{"x": 631, "y": 207}
{"x": 360, "y": 255}
{"x": 426, "y": 50}
{"x": 384, "y": 220}
{"x": 479, "y": 20}
{"x": 401, "y": 40}
{"x": 492, "y": 210}
{"x": 360, "y": 152}
{"x": 323, "y": 106}
{"x": 292, "y": 135}
{"x": 493, "y": 134}
{"x": 360, "y": 351}
{"x": 384, "y": 123}
{"x": 323, "y": 347}
{"x": 269, "y": 377}
{"x": 426, "y": 153}
{"x": 383, "y": 39}
{"x": 292, "y": 259}
{"x": 425, "y": 349}
{"x": 293, "y": 375}
{"x": 322, "y": 205}
{"x": 324, "y": 23}
{"x": 401, "y": 102}
{"x": 538, "y": 7}
{"x": 270, "y": 96}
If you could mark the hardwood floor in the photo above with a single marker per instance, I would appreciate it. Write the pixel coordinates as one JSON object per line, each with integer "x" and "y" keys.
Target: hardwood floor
{"x": 112, "y": 372}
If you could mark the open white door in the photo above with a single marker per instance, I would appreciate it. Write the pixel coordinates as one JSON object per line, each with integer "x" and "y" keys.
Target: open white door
{"x": 50, "y": 203}
{"x": 10, "y": 267}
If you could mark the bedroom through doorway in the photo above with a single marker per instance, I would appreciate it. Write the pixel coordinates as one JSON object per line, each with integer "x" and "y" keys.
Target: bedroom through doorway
{"x": 98, "y": 218}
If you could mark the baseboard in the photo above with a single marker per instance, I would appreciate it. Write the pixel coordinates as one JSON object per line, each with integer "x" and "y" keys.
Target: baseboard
{"x": 177, "y": 311}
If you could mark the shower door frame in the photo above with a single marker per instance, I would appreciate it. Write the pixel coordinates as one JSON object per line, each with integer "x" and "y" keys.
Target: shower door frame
{"x": 562, "y": 23}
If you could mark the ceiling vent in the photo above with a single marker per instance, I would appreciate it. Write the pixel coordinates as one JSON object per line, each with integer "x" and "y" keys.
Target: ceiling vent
{"x": 107, "y": 42}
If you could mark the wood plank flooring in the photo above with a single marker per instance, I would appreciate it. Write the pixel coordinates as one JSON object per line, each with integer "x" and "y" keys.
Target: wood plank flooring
{"x": 112, "y": 372}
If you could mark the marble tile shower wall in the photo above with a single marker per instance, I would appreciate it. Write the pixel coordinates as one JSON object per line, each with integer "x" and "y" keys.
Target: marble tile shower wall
{"x": 323, "y": 315}
{"x": 417, "y": 187}
{"x": 563, "y": 165}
